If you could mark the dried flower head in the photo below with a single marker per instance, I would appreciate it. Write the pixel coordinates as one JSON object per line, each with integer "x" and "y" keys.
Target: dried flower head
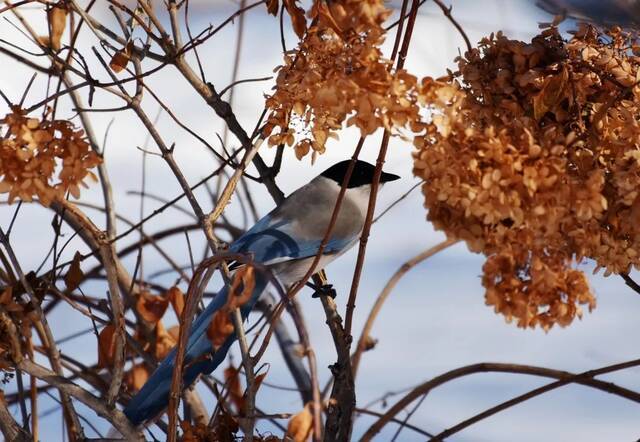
{"x": 532, "y": 157}
{"x": 34, "y": 153}
{"x": 338, "y": 75}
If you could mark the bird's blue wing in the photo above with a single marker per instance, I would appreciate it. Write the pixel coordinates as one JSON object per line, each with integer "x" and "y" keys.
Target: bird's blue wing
{"x": 274, "y": 240}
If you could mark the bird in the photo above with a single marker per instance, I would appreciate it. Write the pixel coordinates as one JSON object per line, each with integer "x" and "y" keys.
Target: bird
{"x": 286, "y": 242}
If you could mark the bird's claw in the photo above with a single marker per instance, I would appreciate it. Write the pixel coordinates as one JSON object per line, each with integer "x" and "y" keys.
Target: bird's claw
{"x": 325, "y": 290}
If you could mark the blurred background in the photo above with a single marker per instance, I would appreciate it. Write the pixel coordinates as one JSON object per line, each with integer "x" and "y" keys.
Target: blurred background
{"x": 435, "y": 319}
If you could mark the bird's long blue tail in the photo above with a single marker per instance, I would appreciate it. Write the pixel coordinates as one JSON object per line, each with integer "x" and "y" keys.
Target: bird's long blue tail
{"x": 154, "y": 395}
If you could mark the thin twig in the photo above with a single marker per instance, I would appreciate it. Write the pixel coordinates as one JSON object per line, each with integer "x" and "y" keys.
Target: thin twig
{"x": 113, "y": 415}
{"x": 447, "y": 13}
{"x": 564, "y": 377}
{"x": 42, "y": 326}
{"x": 246, "y": 423}
{"x": 579, "y": 378}
{"x": 10, "y": 428}
{"x": 386, "y": 291}
{"x": 402, "y": 55}
{"x": 199, "y": 281}
{"x": 630, "y": 282}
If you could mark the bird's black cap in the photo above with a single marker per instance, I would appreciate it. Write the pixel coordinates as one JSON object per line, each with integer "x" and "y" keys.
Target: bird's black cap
{"x": 362, "y": 173}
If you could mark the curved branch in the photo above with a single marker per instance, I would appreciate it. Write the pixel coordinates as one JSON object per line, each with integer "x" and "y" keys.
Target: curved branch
{"x": 563, "y": 377}
{"x": 388, "y": 288}
{"x": 604, "y": 386}
{"x": 447, "y": 13}
{"x": 289, "y": 348}
{"x": 113, "y": 415}
{"x": 8, "y": 425}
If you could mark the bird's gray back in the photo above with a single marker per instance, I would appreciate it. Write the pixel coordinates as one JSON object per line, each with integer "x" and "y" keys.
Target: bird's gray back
{"x": 310, "y": 209}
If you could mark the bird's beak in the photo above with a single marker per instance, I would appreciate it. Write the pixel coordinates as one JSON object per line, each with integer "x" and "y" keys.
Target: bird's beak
{"x": 386, "y": 177}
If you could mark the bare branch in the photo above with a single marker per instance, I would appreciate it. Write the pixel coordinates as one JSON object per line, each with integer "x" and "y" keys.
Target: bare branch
{"x": 113, "y": 415}
{"x": 564, "y": 377}
{"x": 386, "y": 291}
{"x": 10, "y": 428}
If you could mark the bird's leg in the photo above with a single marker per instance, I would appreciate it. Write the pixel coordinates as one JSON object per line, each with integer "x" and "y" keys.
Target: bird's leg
{"x": 325, "y": 289}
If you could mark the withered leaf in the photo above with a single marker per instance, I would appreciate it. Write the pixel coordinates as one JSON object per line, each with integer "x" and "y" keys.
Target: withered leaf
{"x": 164, "y": 341}
{"x": 106, "y": 346}
{"x": 6, "y": 296}
{"x": 176, "y": 298}
{"x": 298, "y": 20}
{"x": 242, "y": 287}
{"x": 10, "y": 305}
{"x": 220, "y": 328}
{"x": 259, "y": 378}
{"x": 151, "y": 307}
{"x": 119, "y": 61}
{"x": 121, "y": 58}
{"x": 137, "y": 376}
{"x": 321, "y": 9}
{"x": 272, "y": 7}
{"x": 57, "y": 18}
{"x": 232, "y": 381}
{"x": 195, "y": 432}
{"x": 174, "y": 332}
{"x": 552, "y": 93}
{"x": 74, "y": 276}
{"x": 300, "y": 425}
{"x": 224, "y": 427}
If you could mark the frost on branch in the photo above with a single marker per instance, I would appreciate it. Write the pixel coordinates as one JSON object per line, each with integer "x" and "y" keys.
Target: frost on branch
{"x": 33, "y": 153}
{"x": 532, "y": 157}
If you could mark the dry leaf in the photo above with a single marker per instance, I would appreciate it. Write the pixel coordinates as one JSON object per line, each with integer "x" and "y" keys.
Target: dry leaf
{"x": 6, "y": 296}
{"x": 9, "y": 304}
{"x": 106, "y": 346}
{"x": 241, "y": 287}
{"x": 224, "y": 428}
{"x": 321, "y": 9}
{"x": 151, "y": 307}
{"x": 298, "y": 20}
{"x": 300, "y": 425}
{"x": 194, "y": 433}
{"x": 137, "y": 376}
{"x": 57, "y": 18}
{"x": 232, "y": 381}
{"x": 174, "y": 332}
{"x": 176, "y": 298}
{"x": 552, "y": 93}
{"x": 260, "y": 378}
{"x": 121, "y": 58}
{"x": 74, "y": 276}
{"x": 272, "y": 7}
{"x": 164, "y": 341}
{"x": 220, "y": 328}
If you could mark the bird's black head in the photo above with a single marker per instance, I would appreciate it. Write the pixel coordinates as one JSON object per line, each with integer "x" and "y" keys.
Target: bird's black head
{"x": 362, "y": 173}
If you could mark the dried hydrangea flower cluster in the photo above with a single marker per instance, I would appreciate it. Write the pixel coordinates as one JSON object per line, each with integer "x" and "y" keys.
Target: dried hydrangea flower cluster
{"x": 336, "y": 75}
{"x": 532, "y": 157}
{"x": 34, "y": 152}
